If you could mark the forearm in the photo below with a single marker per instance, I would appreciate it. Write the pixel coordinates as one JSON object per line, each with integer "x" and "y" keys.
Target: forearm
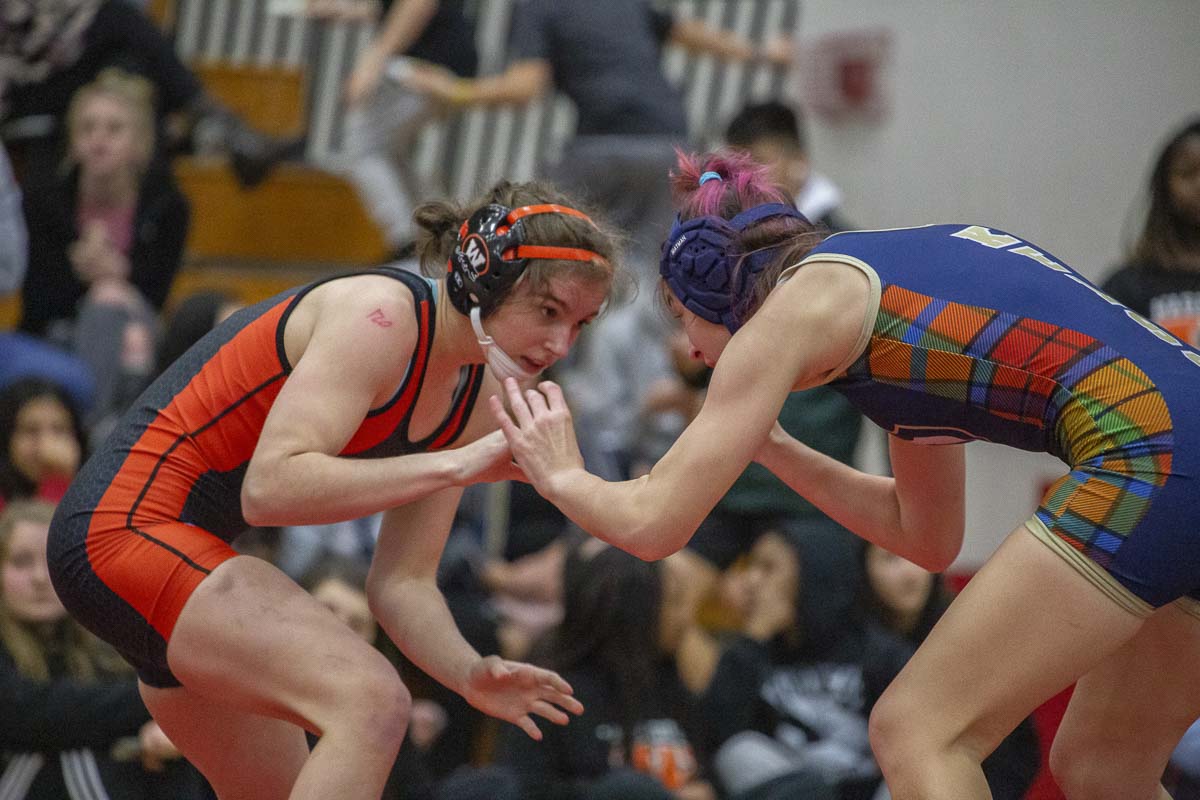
{"x": 868, "y": 505}
{"x": 414, "y": 614}
{"x": 697, "y": 36}
{"x": 403, "y": 25}
{"x": 315, "y": 488}
{"x": 629, "y": 515}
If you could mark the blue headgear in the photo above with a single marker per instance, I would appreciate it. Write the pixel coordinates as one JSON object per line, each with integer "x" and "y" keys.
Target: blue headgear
{"x": 700, "y": 266}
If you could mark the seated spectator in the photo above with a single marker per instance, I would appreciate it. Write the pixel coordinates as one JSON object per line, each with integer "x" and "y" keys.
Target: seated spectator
{"x": 105, "y": 240}
{"x": 1161, "y": 279}
{"x": 908, "y": 601}
{"x": 71, "y": 721}
{"x": 635, "y": 739}
{"x": 788, "y": 704}
{"x": 42, "y": 441}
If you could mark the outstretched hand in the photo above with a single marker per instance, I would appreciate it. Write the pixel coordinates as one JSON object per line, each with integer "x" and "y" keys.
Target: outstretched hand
{"x": 512, "y": 691}
{"x": 539, "y": 431}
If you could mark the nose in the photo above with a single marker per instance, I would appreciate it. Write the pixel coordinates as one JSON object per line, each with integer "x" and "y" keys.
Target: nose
{"x": 559, "y": 342}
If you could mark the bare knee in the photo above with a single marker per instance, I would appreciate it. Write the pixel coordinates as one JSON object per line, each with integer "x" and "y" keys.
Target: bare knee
{"x": 893, "y": 742}
{"x": 1084, "y": 771}
{"x": 369, "y": 700}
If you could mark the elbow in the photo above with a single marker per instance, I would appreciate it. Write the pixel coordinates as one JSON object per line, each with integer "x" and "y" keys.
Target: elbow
{"x": 942, "y": 549}
{"x": 656, "y": 544}
{"x": 260, "y": 503}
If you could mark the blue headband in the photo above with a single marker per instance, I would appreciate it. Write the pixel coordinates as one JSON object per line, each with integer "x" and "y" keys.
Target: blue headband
{"x": 709, "y": 176}
{"x": 700, "y": 262}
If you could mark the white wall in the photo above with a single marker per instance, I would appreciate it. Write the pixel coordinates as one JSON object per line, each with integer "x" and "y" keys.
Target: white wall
{"x": 1041, "y": 118}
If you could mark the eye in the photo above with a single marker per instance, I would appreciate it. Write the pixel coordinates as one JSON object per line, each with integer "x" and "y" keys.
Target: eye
{"x": 549, "y": 312}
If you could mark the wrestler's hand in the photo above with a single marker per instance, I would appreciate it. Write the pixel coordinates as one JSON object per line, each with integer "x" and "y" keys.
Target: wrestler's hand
{"x": 539, "y": 431}
{"x": 487, "y": 460}
{"x": 512, "y": 691}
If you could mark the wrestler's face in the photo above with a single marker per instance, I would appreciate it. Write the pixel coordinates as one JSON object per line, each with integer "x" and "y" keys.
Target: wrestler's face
{"x": 706, "y": 339}
{"x": 25, "y": 578}
{"x": 902, "y": 586}
{"x": 536, "y": 326}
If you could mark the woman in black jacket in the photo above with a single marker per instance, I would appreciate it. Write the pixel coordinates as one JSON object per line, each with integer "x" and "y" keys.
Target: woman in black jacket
{"x": 106, "y": 239}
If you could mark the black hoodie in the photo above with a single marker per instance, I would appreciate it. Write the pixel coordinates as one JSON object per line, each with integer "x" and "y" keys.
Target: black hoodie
{"x": 813, "y": 691}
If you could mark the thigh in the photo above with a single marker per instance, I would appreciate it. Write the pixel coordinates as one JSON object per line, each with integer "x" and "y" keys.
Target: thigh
{"x": 242, "y": 755}
{"x": 1129, "y": 712}
{"x": 250, "y": 638}
{"x": 1027, "y": 625}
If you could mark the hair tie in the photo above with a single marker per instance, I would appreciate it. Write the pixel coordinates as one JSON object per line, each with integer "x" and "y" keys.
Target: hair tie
{"x": 709, "y": 176}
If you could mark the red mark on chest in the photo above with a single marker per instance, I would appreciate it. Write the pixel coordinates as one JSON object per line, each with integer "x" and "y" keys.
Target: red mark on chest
{"x": 379, "y": 319}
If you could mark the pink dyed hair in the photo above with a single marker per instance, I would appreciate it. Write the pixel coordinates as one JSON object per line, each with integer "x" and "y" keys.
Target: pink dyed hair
{"x": 744, "y": 184}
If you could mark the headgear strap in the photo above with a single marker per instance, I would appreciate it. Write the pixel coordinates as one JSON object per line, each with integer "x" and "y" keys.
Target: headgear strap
{"x": 491, "y": 254}
{"x": 701, "y": 266}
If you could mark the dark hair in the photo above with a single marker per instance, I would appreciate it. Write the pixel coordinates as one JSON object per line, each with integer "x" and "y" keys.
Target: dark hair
{"x": 1166, "y": 235}
{"x": 440, "y": 221}
{"x": 872, "y": 605}
{"x": 612, "y": 603}
{"x": 13, "y": 398}
{"x": 744, "y": 184}
{"x": 770, "y": 120}
{"x": 195, "y": 316}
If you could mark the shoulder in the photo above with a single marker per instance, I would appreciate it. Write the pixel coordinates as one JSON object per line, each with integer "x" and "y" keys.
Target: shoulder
{"x": 824, "y": 307}
{"x": 364, "y": 319}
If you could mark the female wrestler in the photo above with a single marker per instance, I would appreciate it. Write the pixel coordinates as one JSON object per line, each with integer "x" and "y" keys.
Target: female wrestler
{"x": 332, "y": 401}
{"x": 941, "y": 334}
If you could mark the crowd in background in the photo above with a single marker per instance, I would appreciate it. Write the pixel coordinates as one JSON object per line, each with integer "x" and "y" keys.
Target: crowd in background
{"x": 744, "y": 667}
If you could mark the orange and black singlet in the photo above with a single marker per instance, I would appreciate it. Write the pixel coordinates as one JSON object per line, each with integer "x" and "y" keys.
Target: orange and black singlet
{"x": 153, "y": 511}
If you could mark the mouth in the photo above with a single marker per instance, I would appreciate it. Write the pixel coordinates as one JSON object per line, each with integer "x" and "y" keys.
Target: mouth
{"x": 533, "y": 366}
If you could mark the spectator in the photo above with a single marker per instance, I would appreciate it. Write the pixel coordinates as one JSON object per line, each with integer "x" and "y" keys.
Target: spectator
{"x": 1161, "y": 280}
{"x": 71, "y": 721}
{"x": 788, "y": 704}
{"x": 385, "y": 116}
{"x": 112, "y": 219}
{"x": 640, "y": 718}
{"x": 106, "y": 240}
{"x": 908, "y": 600}
{"x": 42, "y": 441}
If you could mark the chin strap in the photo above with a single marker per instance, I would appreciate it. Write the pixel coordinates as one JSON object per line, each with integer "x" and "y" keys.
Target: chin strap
{"x": 499, "y": 362}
